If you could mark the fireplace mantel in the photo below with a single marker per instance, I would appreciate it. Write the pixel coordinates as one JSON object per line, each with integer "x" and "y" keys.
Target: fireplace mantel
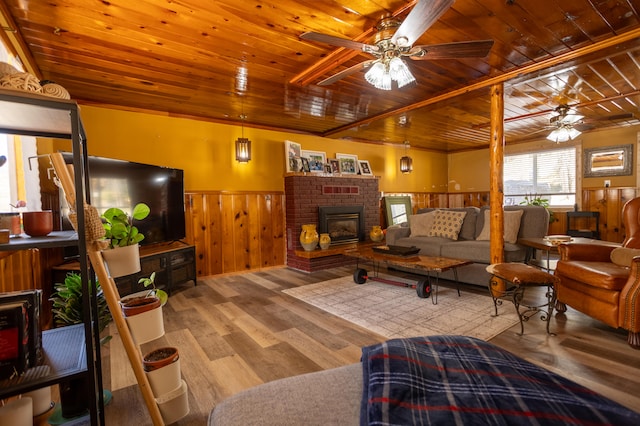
{"x": 305, "y": 192}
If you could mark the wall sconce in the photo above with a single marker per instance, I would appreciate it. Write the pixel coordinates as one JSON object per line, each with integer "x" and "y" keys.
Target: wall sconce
{"x": 406, "y": 163}
{"x": 243, "y": 146}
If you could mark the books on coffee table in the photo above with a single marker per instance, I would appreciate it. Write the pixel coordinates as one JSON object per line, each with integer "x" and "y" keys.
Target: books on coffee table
{"x": 397, "y": 250}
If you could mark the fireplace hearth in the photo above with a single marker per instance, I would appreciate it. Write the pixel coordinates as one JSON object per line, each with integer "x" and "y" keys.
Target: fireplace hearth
{"x": 344, "y": 224}
{"x": 353, "y": 205}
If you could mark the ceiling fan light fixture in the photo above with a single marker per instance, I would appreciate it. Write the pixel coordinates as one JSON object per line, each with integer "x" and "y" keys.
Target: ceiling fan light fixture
{"x": 378, "y": 76}
{"x": 400, "y": 72}
{"x": 563, "y": 134}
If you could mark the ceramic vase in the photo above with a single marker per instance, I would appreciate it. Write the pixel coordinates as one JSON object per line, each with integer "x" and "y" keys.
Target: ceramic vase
{"x": 325, "y": 241}
{"x": 162, "y": 368}
{"x": 144, "y": 318}
{"x": 37, "y": 224}
{"x": 376, "y": 234}
{"x": 309, "y": 237}
{"x": 122, "y": 261}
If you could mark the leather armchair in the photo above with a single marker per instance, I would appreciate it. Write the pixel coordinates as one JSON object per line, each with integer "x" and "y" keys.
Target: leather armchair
{"x": 592, "y": 284}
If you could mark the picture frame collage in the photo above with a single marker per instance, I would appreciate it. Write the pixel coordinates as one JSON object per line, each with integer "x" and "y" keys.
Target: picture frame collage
{"x": 308, "y": 161}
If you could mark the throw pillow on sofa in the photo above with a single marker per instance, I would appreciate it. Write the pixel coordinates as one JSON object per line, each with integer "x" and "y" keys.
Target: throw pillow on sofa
{"x": 623, "y": 256}
{"x": 447, "y": 224}
{"x": 511, "y": 226}
{"x": 421, "y": 224}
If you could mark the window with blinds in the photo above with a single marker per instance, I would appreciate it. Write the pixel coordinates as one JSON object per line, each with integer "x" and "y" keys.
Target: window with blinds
{"x": 545, "y": 174}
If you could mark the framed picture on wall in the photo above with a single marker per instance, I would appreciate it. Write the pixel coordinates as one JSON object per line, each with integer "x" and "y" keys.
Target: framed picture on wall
{"x": 292, "y": 155}
{"x": 316, "y": 160}
{"x": 365, "y": 168}
{"x": 335, "y": 165}
{"x": 305, "y": 165}
{"x": 348, "y": 163}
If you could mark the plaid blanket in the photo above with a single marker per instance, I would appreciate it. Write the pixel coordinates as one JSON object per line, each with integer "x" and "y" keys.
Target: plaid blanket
{"x": 446, "y": 380}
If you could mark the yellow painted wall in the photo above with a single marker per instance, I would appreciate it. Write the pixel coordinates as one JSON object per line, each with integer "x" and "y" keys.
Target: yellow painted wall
{"x": 206, "y": 152}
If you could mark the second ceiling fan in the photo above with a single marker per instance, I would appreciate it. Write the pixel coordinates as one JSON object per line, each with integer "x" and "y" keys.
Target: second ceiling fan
{"x": 394, "y": 41}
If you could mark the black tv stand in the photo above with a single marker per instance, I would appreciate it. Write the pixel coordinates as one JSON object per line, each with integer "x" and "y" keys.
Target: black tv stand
{"x": 174, "y": 264}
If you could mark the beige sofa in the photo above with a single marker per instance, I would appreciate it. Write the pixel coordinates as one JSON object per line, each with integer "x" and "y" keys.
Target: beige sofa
{"x": 472, "y": 241}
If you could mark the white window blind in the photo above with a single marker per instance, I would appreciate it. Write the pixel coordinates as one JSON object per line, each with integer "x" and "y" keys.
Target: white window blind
{"x": 545, "y": 174}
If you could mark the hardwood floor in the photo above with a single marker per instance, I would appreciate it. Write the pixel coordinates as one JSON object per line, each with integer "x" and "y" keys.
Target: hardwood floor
{"x": 238, "y": 331}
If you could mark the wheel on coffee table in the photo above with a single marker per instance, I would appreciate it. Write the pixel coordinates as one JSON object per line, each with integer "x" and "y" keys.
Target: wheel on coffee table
{"x": 423, "y": 288}
{"x": 360, "y": 276}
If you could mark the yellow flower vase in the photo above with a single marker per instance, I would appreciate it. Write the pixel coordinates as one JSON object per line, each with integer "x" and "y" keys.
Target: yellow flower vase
{"x": 376, "y": 234}
{"x": 325, "y": 241}
{"x": 309, "y": 237}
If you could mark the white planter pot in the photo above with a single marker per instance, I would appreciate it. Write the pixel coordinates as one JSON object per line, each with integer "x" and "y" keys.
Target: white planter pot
{"x": 41, "y": 400}
{"x": 174, "y": 405}
{"x": 165, "y": 380}
{"x": 147, "y": 326}
{"x": 122, "y": 261}
{"x": 18, "y": 412}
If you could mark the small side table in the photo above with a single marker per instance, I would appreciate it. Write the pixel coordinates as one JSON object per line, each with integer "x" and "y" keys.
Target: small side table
{"x": 522, "y": 276}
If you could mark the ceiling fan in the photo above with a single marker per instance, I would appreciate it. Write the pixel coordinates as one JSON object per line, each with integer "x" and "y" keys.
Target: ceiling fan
{"x": 563, "y": 123}
{"x": 394, "y": 41}
{"x": 568, "y": 124}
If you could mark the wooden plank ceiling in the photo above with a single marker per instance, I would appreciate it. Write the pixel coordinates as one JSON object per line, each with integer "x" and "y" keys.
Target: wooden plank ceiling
{"x": 217, "y": 60}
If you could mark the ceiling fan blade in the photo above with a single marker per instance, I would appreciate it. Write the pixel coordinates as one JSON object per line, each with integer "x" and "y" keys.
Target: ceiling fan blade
{"x": 463, "y": 49}
{"x": 424, "y": 14}
{"x": 338, "y": 41}
{"x": 347, "y": 72}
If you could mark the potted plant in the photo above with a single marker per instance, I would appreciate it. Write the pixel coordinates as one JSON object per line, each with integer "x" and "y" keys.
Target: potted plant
{"x": 67, "y": 310}
{"x": 143, "y": 311}
{"x": 162, "y": 368}
{"x": 536, "y": 200}
{"x": 123, "y": 256}
{"x": 67, "y": 303}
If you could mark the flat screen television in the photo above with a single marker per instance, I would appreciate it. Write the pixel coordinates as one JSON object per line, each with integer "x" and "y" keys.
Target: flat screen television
{"x": 123, "y": 184}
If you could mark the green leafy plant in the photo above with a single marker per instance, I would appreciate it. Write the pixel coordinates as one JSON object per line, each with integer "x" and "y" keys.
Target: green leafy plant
{"x": 67, "y": 303}
{"x": 150, "y": 281}
{"x": 119, "y": 225}
{"x": 536, "y": 200}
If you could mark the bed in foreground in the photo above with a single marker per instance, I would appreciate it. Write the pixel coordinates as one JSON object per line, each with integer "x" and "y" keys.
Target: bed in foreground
{"x": 439, "y": 380}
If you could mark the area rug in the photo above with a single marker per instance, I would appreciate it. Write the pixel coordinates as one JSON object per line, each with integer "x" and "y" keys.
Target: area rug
{"x": 393, "y": 311}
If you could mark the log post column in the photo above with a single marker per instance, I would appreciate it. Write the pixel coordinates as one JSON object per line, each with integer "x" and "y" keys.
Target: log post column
{"x": 496, "y": 185}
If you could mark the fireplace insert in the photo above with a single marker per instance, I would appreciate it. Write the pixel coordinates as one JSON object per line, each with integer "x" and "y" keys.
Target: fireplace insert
{"x": 344, "y": 224}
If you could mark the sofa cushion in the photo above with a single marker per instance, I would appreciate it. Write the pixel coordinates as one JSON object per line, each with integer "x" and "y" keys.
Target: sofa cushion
{"x": 447, "y": 224}
{"x": 468, "y": 230}
{"x": 421, "y": 224}
{"x": 512, "y": 221}
{"x": 623, "y": 256}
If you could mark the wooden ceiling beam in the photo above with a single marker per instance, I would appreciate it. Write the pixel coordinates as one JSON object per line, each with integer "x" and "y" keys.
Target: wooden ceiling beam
{"x": 574, "y": 54}
{"x": 15, "y": 40}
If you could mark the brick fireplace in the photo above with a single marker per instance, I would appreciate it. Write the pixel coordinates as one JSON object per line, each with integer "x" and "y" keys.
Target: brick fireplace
{"x": 306, "y": 193}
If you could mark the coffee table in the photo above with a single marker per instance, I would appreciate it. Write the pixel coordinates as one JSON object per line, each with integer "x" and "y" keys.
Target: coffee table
{"x": 428, "y": 264}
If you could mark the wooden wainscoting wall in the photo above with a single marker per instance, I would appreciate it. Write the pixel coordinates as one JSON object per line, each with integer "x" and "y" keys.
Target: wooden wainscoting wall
{"x": 236, "y": 231}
